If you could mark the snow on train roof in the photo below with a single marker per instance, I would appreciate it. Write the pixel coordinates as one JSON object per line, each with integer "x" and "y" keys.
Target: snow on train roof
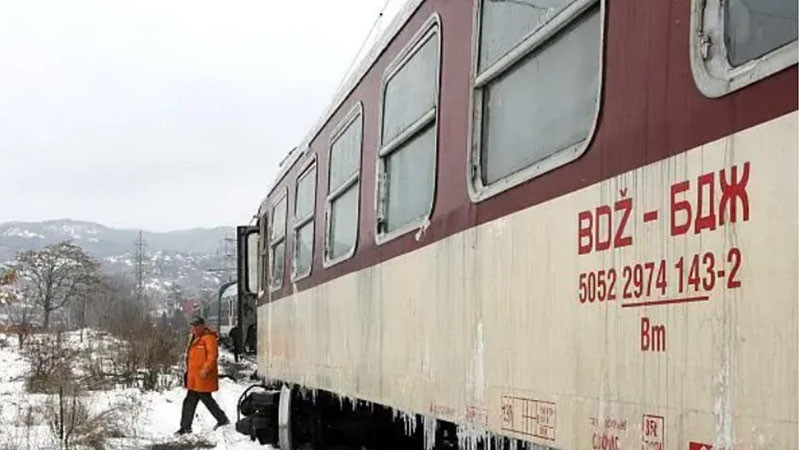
{"x": 350, "y": 83}
{"x": 231, "y": 291}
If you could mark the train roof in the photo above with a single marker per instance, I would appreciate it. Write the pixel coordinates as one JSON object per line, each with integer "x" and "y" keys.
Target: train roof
{"x": 230, "y": 291}
{"x": 350, "y": 83}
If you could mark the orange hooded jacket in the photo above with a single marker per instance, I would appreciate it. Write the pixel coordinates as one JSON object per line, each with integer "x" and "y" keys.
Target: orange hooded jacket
{"x": 201, "y": 355}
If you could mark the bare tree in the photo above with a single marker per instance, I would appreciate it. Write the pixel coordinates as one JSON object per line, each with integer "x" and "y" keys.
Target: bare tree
{"x": 18, "y": 311}
{"x": 21, "y": 315}
{"x": 119, "y": 311}
{"x": 84, "y": 309}
{"x": 55, "y": 275}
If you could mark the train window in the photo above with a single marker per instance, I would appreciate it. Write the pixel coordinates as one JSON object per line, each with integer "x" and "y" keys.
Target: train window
{"x": 253, "y": 282}
{"x": 264, "y": 247}
{"x": 756, "y": 27}
{"x": 738, "y": 42}
{"x": 304, "y": 222}
{"x": 341, "y": 203}
{"x": 536, "y": 89}
{"x": 407, "y": 162}
{"x": 277, "y": 242}
{"x": 504, "y": 27}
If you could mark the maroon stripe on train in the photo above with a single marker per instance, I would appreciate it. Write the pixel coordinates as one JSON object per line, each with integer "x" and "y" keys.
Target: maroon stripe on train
{"x": 650, "y": 110}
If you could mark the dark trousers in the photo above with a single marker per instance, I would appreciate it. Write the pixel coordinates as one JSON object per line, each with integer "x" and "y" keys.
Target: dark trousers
{"x": 190, "y": 404}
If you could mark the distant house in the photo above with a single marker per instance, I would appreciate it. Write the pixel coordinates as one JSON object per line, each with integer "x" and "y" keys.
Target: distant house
{"x": 189, "y": 307}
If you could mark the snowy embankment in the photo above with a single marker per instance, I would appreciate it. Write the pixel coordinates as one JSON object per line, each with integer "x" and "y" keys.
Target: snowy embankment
{"x": 141, "y": 419}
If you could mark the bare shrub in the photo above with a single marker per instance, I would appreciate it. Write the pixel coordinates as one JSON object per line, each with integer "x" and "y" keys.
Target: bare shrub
{"x": 131, "y": 409}
{"x": 148, "y": 360}
{"x": 95, "y": 364}
{"x": 147, "y": 349}
{"x": 74, "y": 425}
{"x": 158, "y": 352}
{"x": 50, "y": 362}
{"x": 20, "y": 436}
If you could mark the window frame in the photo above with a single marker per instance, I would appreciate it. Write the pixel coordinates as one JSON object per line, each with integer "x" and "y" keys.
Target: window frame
{"x": 433, "y": 25}
{"x": 356, "y": 113}
{"x": 713, "y": 74}
{"x": 299, "y": 222}
{"x": 257, "y": 261}
{"x": 275, "y": 242}
{"x": 263, "y": 263}
{"x": 477, "y": 190}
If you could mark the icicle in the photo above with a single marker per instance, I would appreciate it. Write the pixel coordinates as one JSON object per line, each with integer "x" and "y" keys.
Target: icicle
{"x": 469, "y": 436}
{"x": 429, "y": 432}
{"x": 409, "y": 421}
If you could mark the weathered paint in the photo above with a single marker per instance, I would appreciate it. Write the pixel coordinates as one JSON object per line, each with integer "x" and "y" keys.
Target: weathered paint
{"x": 490, "y": 317}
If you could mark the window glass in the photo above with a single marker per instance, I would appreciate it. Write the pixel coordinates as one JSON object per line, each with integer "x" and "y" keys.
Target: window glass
{"x": 411, "y": 92}
{"x": 263, "y": 268}
{"x": 277, "y": 233}
{"x": 754, "y": 28}
{"x": 252, "y": 263}
{"x": 344, "y": 217}
{"x": 410, "y": 96}
{"x": 306, "y": 187}
{"x": 278, "y": 220}
{"x": 504, "y": 24}
{"x": 277, "y": 264}
{"x": 345, "y": 152}
{"x": 304, "y": 235}
{"x": 410, "y": 173}
{"x": 303, "y": 249}
{"x": 545, "y": 103}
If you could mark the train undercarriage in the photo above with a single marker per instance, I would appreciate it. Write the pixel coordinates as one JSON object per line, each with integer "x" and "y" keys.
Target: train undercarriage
{"x": 295, "y": 418}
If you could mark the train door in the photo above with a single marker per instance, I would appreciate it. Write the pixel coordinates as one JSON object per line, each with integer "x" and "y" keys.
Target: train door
{"x": 247, "y": 276}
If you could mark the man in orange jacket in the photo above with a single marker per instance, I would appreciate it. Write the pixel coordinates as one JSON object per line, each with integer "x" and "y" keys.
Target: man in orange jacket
{"x": 201, "y": 379}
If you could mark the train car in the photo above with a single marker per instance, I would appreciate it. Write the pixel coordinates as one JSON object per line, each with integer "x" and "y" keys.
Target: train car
{"x": 223, "y": 314}
{"x": 228, "y": 310}
{"x": 559, "y": 223}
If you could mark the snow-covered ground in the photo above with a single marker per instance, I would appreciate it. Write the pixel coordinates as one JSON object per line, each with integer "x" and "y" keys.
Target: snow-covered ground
{"x": 147, "y": 419}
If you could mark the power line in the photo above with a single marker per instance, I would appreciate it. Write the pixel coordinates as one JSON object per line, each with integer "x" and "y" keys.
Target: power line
{"x": 226, "y": 257}
{"x": 375, "y": 24}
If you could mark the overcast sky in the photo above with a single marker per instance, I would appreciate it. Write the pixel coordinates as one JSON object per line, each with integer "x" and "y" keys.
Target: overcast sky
{"x": 162, "y": 114}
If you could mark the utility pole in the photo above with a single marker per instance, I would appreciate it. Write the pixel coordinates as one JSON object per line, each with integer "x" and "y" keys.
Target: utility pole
{"x": 226, "y": 257}
{"x": 230, "y": 256}
{"x": 140, "y": 245}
